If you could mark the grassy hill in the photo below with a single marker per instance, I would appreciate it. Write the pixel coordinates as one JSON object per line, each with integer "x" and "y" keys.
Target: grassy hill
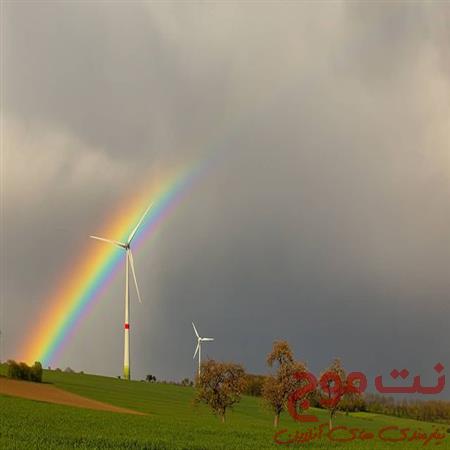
{"x": 173, "y": 422}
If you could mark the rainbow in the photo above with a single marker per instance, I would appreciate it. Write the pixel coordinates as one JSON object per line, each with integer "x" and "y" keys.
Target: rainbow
{"x": 85, "y": 282}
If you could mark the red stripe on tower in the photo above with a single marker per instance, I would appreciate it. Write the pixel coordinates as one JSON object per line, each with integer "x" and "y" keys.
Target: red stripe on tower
{"x": 127, "y": 326}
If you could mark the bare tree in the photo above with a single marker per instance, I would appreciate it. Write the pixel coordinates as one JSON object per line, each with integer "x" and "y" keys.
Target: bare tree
{"x": 333, "y": 386}
{"x": 220, "y": 385}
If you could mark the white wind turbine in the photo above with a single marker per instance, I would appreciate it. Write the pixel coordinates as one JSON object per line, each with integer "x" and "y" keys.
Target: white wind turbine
{"x": 129, "y": 262}
{"x": 199, "y": 347}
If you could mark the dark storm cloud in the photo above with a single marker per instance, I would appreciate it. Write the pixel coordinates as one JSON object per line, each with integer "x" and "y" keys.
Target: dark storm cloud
{"x": 118, "y": 79}
{"x": 324, "y": 220}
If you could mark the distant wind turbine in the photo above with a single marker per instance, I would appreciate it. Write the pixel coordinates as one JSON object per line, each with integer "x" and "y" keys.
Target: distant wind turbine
{"x": 129, "y": 262}
{"x": 199, "y": 347}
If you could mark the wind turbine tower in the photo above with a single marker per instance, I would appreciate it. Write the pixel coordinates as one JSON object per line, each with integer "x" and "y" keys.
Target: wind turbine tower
{"x": 129, "y": 262}
{"x": 199, "y": 347}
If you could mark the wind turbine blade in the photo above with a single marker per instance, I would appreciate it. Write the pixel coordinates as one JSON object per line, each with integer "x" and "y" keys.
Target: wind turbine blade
{"x": 195, "y": 329}
{"x": 110, "y": 241}
{"x": 207, "y": 339}
{"x": 131, "y": 236}
{"x": 196, "y": 350}
{"x": 130, "y": 258}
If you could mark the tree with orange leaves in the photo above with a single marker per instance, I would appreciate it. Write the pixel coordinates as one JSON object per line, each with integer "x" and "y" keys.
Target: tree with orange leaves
{"x": 279, "y": 386}
{"x": 220, "y": 385}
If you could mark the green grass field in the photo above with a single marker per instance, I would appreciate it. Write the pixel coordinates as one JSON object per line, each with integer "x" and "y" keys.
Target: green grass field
{"x": 173, "y": 422}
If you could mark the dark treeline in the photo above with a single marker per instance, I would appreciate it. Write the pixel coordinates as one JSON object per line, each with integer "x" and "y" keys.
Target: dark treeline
{"x": 426, "y": 410}
{"x": 254, "y": 384}
{"x": 22, "y": 371}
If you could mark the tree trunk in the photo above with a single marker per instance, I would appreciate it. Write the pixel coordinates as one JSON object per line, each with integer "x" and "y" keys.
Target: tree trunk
{"x": 330, "y": 424}
{"x": 223, "y": 418}
{"x": 276, "y": 420}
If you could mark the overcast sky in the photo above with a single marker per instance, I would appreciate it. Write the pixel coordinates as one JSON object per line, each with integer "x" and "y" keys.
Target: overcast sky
{"x": 324, "y": 221}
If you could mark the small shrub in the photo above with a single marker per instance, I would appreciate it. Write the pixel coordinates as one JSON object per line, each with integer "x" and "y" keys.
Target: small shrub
{"x": 186, "y": 382}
